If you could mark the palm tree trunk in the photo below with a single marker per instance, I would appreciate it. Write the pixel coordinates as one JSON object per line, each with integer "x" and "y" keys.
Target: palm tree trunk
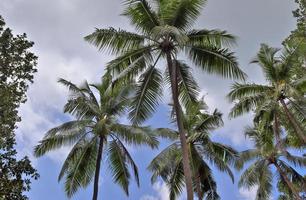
{"x": 200, "y": 194}
{"x": 289, "y": 184}
{"x": 186, "y": 164}
{"x": 294, "y": 123}
{"x": 276, "y": 131}
{"x": 97, "y": 172}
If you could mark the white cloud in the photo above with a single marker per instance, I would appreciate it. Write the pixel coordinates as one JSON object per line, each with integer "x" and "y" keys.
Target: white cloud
{"x": 148, "y": 197}
{"x": 248, "y": 194}
{"x": 162, "y": 192}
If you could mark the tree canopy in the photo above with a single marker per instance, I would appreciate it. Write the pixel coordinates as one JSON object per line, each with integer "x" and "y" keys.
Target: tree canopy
{"x": 17, "y": 67}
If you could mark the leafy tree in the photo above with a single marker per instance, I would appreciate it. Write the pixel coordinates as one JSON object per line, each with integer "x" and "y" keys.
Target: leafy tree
{"x": 297, "y": 38}
{"x": 283, "y": 95}
{"x": 168, "y": 164}
{"x": 164, "y": 29}
{"x": 262, "y": 158}
{"x": 96, "y": 132}
{"x": 17, "y": 66}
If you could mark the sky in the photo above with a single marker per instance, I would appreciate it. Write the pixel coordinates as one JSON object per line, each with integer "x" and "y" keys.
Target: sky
{"x": 57, "y": 27}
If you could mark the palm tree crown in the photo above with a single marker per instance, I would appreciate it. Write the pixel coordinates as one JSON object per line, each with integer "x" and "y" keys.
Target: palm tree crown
{"x": 168, "y": 164}
{"x": 95, "y": 132}
{"x": 281, "y": 99}
{"x": 263, "y": 157}
{"x": 163, "y": 28}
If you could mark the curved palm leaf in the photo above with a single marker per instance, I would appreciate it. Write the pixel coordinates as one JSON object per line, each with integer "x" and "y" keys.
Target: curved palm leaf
{"x": 215, "y": 61}
{"x": 147, "y": 97}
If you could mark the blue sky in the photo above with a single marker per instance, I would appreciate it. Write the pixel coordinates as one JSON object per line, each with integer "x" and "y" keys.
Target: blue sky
{"x": 57, "y": 28}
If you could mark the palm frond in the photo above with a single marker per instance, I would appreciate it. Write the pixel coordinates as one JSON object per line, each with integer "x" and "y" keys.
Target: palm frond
{"x": 116, "y": 41}
{"x": 118, "y": 165}
{"x": 81, "y": 169}
{"x": 135, "y": 135}
{"x": 240, "y": 90}
{"x": 188, "y": 88}
{"x": 219, "y": 156}
{"x": 251, "y": 176}
{"x": 267, "y": 60}
{"x": 265, "y": 184}
{"x": 297, "y": 161}
{"x": 160, "y": 167}
{"x": 209, "y": 121}
{"x": 215, "y": 61}
{"x": 246, "y": 105}
{"x": 66, "y": 134}
{"x": 130, "y": 161}
{"x": 246, "y": 156}
{"x": 73, "y": 155}
{"x": 180, "y": 13}
{"x": 141, "y": 15}
{"x": 176, "y": 181}
{"x": 300, "y": 84}
{"x": 130, "y": 63}
{"x": 166, "y": 133}
{"x": 82, "y": 107}
{"x": 168, "y": 165}
{"x": 74, "y": 89}
{"x": 204, "y": 37}
{"x": 204, "y": 183}
{"x": 147, "y": 96}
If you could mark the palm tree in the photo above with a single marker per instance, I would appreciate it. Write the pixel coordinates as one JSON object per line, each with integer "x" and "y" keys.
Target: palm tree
{"x": 168, "y": 164}
{"x": 282, "y": 95}
{"x": 263, "y": 157}
{"x": 285, "y": 192}
{"x": 95, "y": 132}
{"x": 163, "y": 31}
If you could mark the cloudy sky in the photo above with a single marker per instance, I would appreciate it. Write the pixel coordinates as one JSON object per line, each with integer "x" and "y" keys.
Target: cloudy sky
{"x": 57, "y": 27}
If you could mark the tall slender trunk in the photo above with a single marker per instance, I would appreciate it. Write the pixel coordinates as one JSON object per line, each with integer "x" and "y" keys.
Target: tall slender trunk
{"x": 97, "y": 172}
{"x": 294, "y": 123}
{"x": 198, "y": 187}
{"x": 186, "y": 164}
{"x": 276, "y": 132}
{"x": 288, "y": 182}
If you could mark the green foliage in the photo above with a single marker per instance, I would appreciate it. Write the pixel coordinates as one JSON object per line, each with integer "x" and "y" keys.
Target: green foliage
{"x": 284, "y": 90}
{"x": 163, "y": 31}
{"x": 203, "y": 151}
{"x": 262, "y": 158}
{"x": 95, "y": 131}
{"x": 164, "y": 28}
{"x": 297, "y": 39}
{"x": 17, "y": 66}
{"x": 286, "y": 194}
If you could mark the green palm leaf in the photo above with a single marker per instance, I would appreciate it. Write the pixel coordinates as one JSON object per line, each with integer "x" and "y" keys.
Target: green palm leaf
{"x": 246, "y": 104}
{"x": 118, "y": 165}
{"x": 133, "y": 61}
{"x": 66, "y": 134}
{"x": 188, "y": 88}
{"x": 116, "y": 41}
{"x": 215, "y": 61}
{"x": 206, "y": 37}
{"x": 81, "y": 169}
{"x": 134, "y": 135}
{"x": 239, "y": 91}
{"x": 180, "y": 13}
{"x": 141, "y": 15}
{"x": 130, "y": 161}
{"x": 147, "y": 97}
